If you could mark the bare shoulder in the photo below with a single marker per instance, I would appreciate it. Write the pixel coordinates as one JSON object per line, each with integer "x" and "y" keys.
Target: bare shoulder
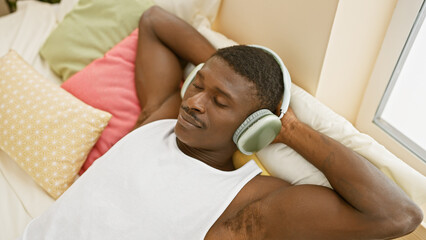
{"x": 265, "y": 184}
{"x": 256, "y": 189}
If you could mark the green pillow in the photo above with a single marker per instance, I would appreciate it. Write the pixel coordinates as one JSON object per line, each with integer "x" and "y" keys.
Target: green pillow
{"x": 89, "y": 31}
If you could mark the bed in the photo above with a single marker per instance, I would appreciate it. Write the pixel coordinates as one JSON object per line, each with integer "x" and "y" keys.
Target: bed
{"x": 68, "y": 86}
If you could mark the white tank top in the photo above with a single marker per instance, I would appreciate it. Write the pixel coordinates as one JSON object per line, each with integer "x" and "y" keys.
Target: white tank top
{"x": 143, "y": 188}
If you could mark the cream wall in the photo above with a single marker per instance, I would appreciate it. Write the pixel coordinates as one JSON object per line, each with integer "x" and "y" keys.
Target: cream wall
{"x": 355, "y": 41}
{"x": 329, "y": 46}
{"x": 297, "y": 30}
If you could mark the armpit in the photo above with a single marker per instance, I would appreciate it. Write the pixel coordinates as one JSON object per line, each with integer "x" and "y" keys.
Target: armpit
{"x": 248, "y": 223}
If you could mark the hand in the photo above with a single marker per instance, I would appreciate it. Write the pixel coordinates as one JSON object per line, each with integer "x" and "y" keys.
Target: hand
{"x": 287, "y": 122}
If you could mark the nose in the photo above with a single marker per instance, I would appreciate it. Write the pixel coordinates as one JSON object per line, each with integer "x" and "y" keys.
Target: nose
{"x": 197, "y": 102}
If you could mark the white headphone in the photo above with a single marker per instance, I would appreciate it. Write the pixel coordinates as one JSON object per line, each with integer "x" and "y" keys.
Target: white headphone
{"x": 260, "y": 128}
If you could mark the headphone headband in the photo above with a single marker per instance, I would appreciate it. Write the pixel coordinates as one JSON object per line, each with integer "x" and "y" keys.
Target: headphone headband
{"x": 286, "y": 79}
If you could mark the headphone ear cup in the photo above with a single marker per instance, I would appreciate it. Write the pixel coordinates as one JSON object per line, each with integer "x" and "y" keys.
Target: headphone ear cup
{"x": 257, "y": 131}
{"x": 189, "y": 79}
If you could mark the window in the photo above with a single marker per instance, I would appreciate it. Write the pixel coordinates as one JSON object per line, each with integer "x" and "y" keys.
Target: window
{"x": 402, "y": 110}
{"x": 393, "y": 107}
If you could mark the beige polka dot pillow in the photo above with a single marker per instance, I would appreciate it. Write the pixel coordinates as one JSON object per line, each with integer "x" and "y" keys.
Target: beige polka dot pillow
{"x": 46, "y": 130}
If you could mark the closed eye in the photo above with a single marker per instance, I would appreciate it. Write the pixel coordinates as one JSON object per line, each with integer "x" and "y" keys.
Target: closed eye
{"x": 197, "y": 86}
{"x": 219, "y": 104}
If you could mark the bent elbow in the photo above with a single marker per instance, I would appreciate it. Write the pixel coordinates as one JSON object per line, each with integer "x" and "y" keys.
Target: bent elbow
{"x": 405, "y": 221}
{"x": 415, "y": 218}
{"x": 148, "y": 14}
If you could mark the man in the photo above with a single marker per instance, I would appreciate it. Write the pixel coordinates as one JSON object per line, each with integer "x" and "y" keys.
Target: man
{"x": 364, "y": 205}
{"x": 173, "y": 179}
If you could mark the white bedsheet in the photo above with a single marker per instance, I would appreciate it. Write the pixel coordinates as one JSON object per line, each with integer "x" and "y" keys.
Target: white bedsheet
{"x": 22, "y": 36}
{"x": 13, "y": 217}
{"x": 21, "y": 198}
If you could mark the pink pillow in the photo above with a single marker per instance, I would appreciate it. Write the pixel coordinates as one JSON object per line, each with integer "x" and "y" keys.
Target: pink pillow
{"x": 108, "y": 84}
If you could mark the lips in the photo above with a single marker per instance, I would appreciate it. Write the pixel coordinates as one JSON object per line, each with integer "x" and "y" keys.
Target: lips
{"x": 186, "y": 119}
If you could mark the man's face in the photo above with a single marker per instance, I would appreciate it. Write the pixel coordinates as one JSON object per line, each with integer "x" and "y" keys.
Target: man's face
{"x": 214, "y": 105}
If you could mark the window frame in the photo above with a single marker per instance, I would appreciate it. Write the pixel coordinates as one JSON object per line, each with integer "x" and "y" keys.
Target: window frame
{"x": 382, "y": 123}
{"x": 401, "y": 24}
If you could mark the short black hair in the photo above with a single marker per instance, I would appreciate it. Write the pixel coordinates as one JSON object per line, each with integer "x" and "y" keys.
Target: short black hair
{"x": 259, "y": 67}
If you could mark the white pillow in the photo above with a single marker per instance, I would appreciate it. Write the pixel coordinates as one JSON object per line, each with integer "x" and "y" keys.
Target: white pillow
{"x": 192, "y": 11}
{"x": 27, "y": 29}
{"x": 216, "y": 39}
{"x": 284, "y": 162}
{"x": 63, "y": 8}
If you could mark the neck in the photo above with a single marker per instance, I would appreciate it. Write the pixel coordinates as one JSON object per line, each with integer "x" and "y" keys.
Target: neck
{"x": 221, "y": 160}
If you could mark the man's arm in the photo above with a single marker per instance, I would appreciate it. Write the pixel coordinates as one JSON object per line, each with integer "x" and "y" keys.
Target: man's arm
{"x": 164, "y": 43}
{"x": 364, "y": 203}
